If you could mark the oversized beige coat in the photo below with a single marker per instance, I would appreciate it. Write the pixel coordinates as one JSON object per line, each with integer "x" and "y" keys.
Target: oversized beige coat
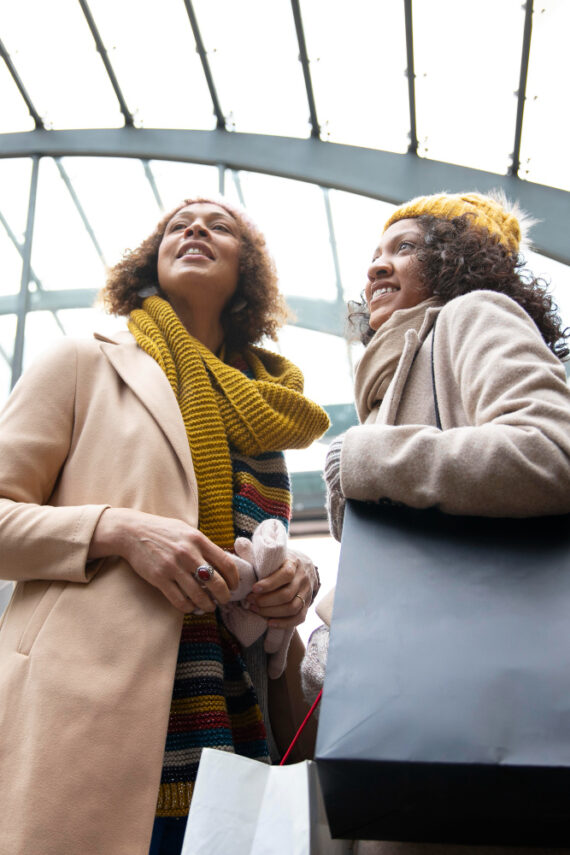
{"x": 505, "y": 445}
{"x": 87, "y": 651}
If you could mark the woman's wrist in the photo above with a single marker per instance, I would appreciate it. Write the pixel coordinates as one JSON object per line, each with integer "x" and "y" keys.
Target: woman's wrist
{"x": 109, "y": 534}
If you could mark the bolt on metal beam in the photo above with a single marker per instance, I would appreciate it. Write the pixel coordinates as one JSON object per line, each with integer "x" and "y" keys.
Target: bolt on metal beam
{"x": 102, "y": 51}
{"x": 304, "y": 60}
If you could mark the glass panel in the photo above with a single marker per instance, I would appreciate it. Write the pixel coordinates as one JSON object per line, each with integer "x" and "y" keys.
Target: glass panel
{"x": 544, "y": 148}
{"x": 153, "y": 53}
{"x": 358, "y": 63}
{"x": 7, "y": 337}
{"x": 295, "y": 226}
{"x": 54, "y": 52}
{"x": 332, "y": 385}
{"x": 11, "y": 274}
{"x": 358, "y": 223}
{"x": 467, "y": 63}
{"x": 324, "y": 551}
{"x": 178, "y": 181}
{"x": 63, "y": 255}
{"x": 15, "y": 175}
{"x": 118, "y": 201}
{"x": 83, "y": 323}
{"x": 14, "y": 114}
{"x": 253, "y": 52}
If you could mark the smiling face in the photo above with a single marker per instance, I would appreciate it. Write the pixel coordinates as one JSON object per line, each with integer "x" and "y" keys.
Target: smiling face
{"x": 393, "y": 277}
{"x": 198, "y": 259}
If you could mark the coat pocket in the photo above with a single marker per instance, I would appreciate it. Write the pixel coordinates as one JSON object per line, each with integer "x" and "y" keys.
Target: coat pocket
{"x": 45, "y": 604}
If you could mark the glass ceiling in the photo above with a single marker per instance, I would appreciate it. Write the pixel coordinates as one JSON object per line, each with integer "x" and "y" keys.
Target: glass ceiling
{"x": 453, "y": 84}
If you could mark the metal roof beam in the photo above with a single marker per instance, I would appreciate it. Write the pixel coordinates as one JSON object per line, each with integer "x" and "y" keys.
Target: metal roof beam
{"x": 153, "y": 186}
{"x": 79, "y": 207}
{"x": 515, "y": 162}
{"x": 304, "y": 60}
{"x": 101, "y": 49}
{"x": 33, "y": 276}
{"x": 411, "y": 75}
{"x": 203, "y": 54}
{"x": 23, "y": 298}
{"x": 38, "y": 121}
{"x": 318, "y": 315}
{"x": 379, "y": 174}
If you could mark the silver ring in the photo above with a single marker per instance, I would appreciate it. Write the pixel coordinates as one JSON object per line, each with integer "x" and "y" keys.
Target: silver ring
{"x": 301, "y": 598}
{"x": 203, "y": 573}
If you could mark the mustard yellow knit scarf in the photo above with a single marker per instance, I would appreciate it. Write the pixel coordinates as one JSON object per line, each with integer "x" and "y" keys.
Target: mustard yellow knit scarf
{"x": 221, "y": 407}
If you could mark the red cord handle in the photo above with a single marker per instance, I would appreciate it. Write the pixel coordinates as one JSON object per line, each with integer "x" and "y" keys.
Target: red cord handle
{"x": 299, "y": 732}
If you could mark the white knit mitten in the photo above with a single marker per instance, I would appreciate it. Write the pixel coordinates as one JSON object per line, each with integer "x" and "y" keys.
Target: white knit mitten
{"x": 314, "y": 663}
{"x": 335, "y": 501}
{"x": 257, "y": 558}
{"x": 266, "y": 552}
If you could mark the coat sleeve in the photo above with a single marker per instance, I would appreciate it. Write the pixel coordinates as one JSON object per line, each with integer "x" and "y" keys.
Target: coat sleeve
{"x": 39, "y": 540}
{"x": 512, "y": 458}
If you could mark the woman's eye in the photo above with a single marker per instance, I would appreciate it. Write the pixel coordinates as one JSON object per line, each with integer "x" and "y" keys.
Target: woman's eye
{"x": 405, "y": 244}
{"x": 220, "y": 227}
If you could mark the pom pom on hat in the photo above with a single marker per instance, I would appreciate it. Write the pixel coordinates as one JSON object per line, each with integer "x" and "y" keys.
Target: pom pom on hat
{"x": 492, "y": 212}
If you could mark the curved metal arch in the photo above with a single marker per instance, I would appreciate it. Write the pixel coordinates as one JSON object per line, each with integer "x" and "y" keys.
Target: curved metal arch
{"x": 379, "y": 174}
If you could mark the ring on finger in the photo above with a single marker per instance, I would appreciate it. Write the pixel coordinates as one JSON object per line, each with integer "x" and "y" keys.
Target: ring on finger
{"x": 301, "y": 598}
{"x": 204, "y": 572}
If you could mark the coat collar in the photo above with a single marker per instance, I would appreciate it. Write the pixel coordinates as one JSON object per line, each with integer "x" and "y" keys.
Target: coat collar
{"x": 412, "y": 342}
{"x": 149, "y": 383}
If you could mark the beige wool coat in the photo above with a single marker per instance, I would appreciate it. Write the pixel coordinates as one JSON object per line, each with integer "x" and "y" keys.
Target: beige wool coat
{"x": 505, "y": 445}
{"x": 87, "y": 650}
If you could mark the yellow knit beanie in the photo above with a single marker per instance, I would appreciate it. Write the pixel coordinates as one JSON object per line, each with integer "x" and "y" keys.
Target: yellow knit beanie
{"x": 492, "y": 212}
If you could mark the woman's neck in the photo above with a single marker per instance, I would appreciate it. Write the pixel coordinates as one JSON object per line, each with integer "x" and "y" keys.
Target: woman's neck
{"x": 206, "y": 326}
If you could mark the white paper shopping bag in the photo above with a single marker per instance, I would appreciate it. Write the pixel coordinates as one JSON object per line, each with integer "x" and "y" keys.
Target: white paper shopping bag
{"x": 244, "y": 807}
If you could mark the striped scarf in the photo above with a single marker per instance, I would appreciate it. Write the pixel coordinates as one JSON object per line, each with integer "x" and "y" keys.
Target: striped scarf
{"x": 238, "y": 418}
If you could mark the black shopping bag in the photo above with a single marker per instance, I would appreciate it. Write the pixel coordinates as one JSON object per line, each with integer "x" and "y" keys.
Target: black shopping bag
{"x": 446, "y": 706}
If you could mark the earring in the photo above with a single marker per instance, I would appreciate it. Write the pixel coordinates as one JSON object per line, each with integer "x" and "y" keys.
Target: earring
{"x": 148, "y": 291}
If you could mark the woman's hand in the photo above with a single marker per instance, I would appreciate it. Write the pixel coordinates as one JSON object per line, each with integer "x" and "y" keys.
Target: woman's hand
{"x": 166, "y": 552}
{"x": 284, "y": 597}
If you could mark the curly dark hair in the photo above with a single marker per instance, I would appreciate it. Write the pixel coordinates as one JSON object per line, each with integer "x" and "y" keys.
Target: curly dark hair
{"x": 456, "y": 257}
{"x": 257, "y": 308}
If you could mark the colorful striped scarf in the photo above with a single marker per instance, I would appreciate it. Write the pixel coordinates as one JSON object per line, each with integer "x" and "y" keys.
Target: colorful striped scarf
{"x": 238, "y": 418}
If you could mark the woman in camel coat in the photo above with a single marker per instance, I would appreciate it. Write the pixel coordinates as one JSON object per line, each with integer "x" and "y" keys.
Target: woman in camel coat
{"x": 102, "y": 527}
{"x": 445, "y": 279}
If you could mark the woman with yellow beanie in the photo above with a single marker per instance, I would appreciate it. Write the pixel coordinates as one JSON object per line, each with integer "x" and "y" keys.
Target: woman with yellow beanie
{"x": 504, "y": 446}
{"x": 447, "y": 272}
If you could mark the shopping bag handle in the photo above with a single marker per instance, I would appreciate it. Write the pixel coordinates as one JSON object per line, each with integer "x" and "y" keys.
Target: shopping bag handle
{"x": 299, "y": 732}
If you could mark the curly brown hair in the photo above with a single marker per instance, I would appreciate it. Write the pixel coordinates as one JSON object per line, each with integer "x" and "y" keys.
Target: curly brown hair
{"x": 257, "y": 308}
{"x": 456, "y": 257}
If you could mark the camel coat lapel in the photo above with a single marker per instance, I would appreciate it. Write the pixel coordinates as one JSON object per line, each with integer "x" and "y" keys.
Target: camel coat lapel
{"x": 87, "y": 651}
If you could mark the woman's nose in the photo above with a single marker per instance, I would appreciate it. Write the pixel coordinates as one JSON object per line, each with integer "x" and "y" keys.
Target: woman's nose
{"x": 380, "y": 267}
{"x": 196, "y": 228}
